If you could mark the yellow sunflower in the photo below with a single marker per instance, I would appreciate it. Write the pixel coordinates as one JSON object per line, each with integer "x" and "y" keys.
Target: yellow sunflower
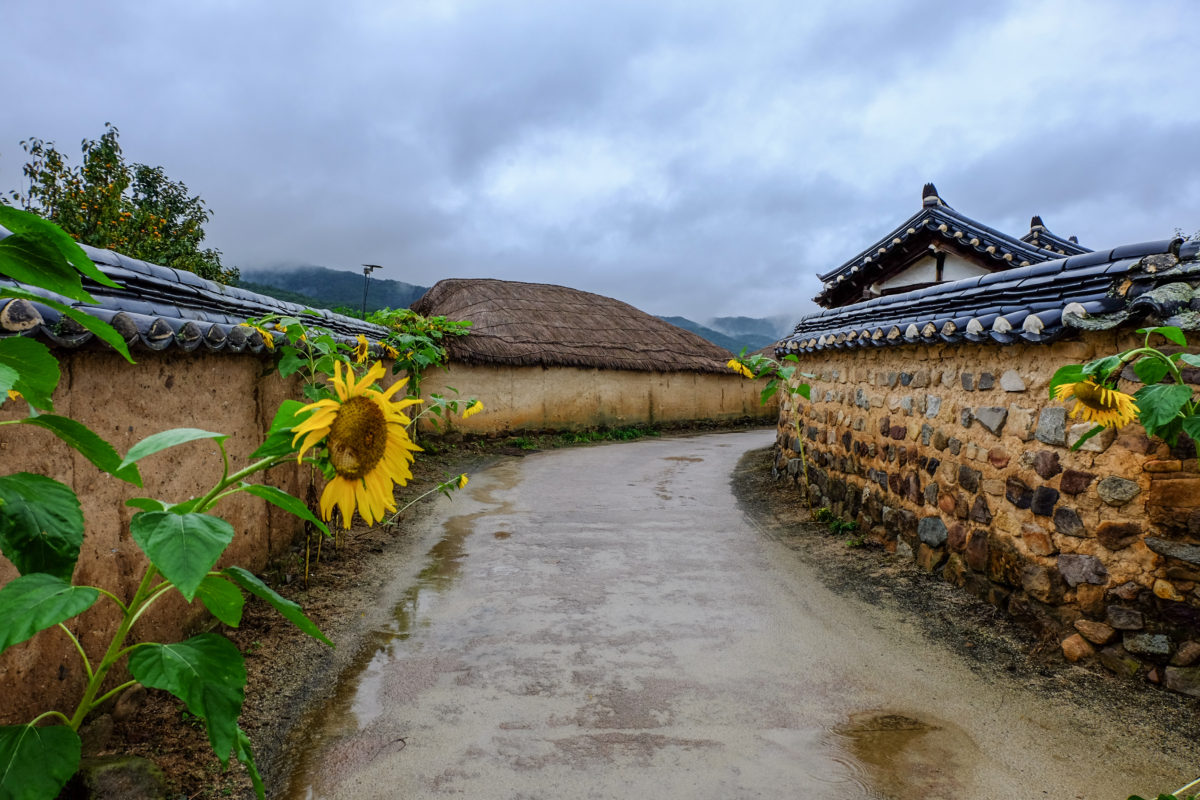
{"x": 1098, "y": 403}
{"x": 14, "y": 394}
{"x": 389, "y": 351}
{"x": 739, "y": 368}
{"x": 462, "y": 480}
{"x": 362, "y": 350}
{"x": 268, "y": 339}
{"x": 474, "y": 408}
{"x": 367, "y": 436}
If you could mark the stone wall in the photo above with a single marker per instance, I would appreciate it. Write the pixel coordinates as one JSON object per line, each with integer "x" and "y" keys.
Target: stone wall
{"x": 954, "y": 455}
{"x": 573, "y": 398}
{"x": 235, "y": 394}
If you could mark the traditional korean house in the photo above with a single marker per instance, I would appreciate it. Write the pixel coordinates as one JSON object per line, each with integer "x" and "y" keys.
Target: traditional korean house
{"x": 544, "y": 357}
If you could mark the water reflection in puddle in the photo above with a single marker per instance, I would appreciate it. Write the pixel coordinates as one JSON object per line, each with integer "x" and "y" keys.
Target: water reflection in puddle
{"x": 349, "y": 729}
{"x": 899, "y": 756}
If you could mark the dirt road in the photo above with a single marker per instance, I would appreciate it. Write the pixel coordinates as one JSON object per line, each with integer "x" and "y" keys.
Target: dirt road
{"x": 606, "y": 623}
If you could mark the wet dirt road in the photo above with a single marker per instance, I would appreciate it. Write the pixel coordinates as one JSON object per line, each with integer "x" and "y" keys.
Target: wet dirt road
{"x": 605, "y": 623}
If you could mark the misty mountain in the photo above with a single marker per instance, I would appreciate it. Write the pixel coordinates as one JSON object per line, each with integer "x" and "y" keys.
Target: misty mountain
{"x": 321, "y": 287}
{"x": 755, "y": 328}
{"x": 733, "y": 344}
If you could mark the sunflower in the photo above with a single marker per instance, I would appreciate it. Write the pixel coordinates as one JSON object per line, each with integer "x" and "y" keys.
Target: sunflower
{"x": 1099, "y": 403}
{"x": 475, "y": 407}
{"x": 362, "y": 350}
{"x": 267, "y": 337}
{"x": 13, "y": 395}
{"x": 389, "y": 351}
{"x": 462, "y": 480}
{"x": 368, "y": 442}
{"x": 739, "y": 368}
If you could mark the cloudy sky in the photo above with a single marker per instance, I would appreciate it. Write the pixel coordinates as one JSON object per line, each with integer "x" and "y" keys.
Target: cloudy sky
{"x": 690, "y": 158}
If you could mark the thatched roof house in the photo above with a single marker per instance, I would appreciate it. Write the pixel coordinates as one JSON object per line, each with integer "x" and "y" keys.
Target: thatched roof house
{"x": 549, "y": 357}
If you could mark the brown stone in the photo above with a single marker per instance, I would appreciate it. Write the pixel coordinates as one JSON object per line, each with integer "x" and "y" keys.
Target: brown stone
{"x": 1163, "y": 465}
{"x": 1018, "y": 493}
{"x": 1187, "y": 654}
{"x": 1127, "y": 591}
{"x": 898, "y": 432}
{"x": 1037, "y": 540}
{"x": 955, "y": 571}
{"x": 947, "y": 502}
{"x": 993, "y": 487}
{"x": 1090, "y": 599}
{"x": 1004, "y": 563}
{"x": 1068, "y": 523}
{"x": 998, "y": 457}
{"x": 1095, "y": 632}
{"x": 969, "y": 478}
{"x": 1116, "y": 660}
{"x": 980, "y": 511}
{"x": 1125, "y": 619}
{"x": 1179, "y": 493}
{"x": 1185, "y": 680}
{"x": 1041, "y": 583}
{"x": 1045, "y": 464}
{"x": 1076, "y": 648}
{"x": 1118, "y": 535}
{"x": 1073, "y": 481}
{"x": 976, "y": 552}
{"x": 1164, "y": 590}
{"x": 956, "y": 537}
{"x": 930, "y": 558}
{"x": 962, "y": 509}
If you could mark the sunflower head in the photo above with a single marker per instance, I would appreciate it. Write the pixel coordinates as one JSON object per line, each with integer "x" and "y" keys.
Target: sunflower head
{"x": 462, "y": 480}
{"x": 362, "y": 350}
{"x": 739, "y": 367}
{"x": 1099, "y": 403}
{"x": 366, "y": 434}
{"x": 267, "y": 337}
{"x": 389, "y": 351}
{"x": 475, "y": 407}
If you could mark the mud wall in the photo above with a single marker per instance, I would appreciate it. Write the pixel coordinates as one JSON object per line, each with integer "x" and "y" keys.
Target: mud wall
{"x": 568, "y": 398}
{"x": 235, "y": 394}
{"x": 954, "y": 456}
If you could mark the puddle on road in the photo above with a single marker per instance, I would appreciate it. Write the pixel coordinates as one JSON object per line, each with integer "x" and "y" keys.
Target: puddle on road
{"x": 336, "y": 736}
{"x": 899, "y": 756}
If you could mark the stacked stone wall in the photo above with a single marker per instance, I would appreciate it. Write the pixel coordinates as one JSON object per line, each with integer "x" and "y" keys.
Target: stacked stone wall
{"x": 955, "y": 456}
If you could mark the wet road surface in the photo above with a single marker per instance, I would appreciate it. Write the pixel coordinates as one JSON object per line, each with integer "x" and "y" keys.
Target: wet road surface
{"x": 604, "y": 622}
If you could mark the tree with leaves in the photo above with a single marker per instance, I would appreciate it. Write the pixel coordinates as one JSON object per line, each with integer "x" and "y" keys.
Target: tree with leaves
{"x": 133, "y": 208}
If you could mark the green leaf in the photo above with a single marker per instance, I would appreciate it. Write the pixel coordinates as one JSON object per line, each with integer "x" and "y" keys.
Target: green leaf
{"x": 165, "y": 439}
{"x": 93, "y": 448}
{"x": 34, "y": 602}
{"x": 36, "y": 762}
{"x": 1101, "y": 367}
{"x": 1071, "y": 373}
{"x": 1150, "y": 370}
{"x": 36, "y": 368}
{"x": 32, "y": 259}
{"x": 250, "y": 582}
{"x": 804, "y": 391}
{"x": 19, "y": 221}
{"x": 246, "y": 756}
{"x": 207, "y": 673}
{"x": 222, "y": 599}
{"x": 103, "y": 331}
{"x": 1079, "y": 442}
{"x": 1189, "y": 359}
{"x": 1191, "y": 426}
{"x": 41, "y": 526}
{"x": 768, "y": 392}
{"x": 1158, "y": 405}
{"x": 279, "y": 435}
{"x": 291, "y": 362}
{"x": 287, "y": 502}
{"x": 147, "y": 504}
{"x": 184, "y": 547}
{"x": 8, "y": 379}
{"x": 1169, "y": 332}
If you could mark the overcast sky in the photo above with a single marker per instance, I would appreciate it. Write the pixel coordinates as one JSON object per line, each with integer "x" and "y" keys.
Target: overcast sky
{"x": 690, "y": 158}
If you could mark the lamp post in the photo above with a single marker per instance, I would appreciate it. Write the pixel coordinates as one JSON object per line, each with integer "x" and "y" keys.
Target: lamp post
{"x": 367, "y": 270}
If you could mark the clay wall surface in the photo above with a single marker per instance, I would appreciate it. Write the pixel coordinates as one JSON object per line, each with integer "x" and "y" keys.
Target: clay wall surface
{"x": 568, "y": 398}
{"x": 955, "y": 456}
{"x": 225, "y": 393}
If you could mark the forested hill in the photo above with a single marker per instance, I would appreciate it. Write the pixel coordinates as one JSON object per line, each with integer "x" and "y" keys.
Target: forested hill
{"x": 321, "y": 287}
{"x": 733, "y": 343}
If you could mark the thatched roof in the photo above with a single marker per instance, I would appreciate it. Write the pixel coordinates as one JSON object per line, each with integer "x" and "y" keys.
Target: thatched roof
{"x": 537, "y": 324}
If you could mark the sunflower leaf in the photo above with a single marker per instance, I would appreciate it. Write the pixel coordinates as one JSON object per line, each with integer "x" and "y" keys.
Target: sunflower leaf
{"x": 1191, "y": 426}
{"x": 222, "y": 599}
{"x": 288, "y": 503}
{"x": 288, "y": 608}
{"x": 1188, "y": 358}
{"x": 36, "y": 762}
{"x": 183, "y": 547}
{"x": 279, "y": 435}
{"x": 32, "y": 603}
{"x": 1071, "y": 373}
{"x": 36, "y": 368}
{"x": 89, "y": 444}
{"x": 165, "y": 439}
{"x": 41, "y": 524}
{"x": 1101, "y": 367}
{"x": 1158, "y": 405}
{"x": 1150, "y": 370}
{"x": 1169, "y": 332}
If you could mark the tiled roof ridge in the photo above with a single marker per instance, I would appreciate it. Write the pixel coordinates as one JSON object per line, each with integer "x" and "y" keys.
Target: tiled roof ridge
{"x": 161, "y": 306}
{"x": 1039, "y": 302}
{"x": 1041, "y": 236}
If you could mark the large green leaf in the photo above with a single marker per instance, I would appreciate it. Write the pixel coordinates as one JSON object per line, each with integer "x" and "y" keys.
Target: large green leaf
{"x": 1169, "y": 332}
{"x": 32, "y": 259}
{"x": 157, "y": 442}
{"x": 34, "y": 602}
{"x": 8, "y": 379}
{"x": 103, "y": 331}
{"x": 184, "y": 547}
{"x": 222, "y": 599}
{"x": 207, "y": 673}
{"x": 1189, "y": 359}
{"x": 1101, "y": 367}
{"x": 1191, "y": 426}
{"x": 1150, "y": 370}
{"x": 288, "y": 503}
{"x": 1158, "y": 405}
{"x": 292, "y": 611}
{"x": 36, "y": 368}
{"x": 35, "y": 763}
{"x": 41, "y": 525}
{"x": 93, "y": 448}
{"x": 1071, "y": 373}
{"x": 19, "y": 221}
{"x": 279, "y": 435}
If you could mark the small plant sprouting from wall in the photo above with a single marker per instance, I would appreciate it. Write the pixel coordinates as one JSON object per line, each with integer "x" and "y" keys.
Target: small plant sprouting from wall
{"x": 778, "y": 374}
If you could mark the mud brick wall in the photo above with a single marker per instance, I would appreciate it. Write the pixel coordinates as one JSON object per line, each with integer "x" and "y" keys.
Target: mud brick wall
{"x": 955, "y": 456}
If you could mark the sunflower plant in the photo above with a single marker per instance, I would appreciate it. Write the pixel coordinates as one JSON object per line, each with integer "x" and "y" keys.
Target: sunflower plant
{"x": 1165, "y": 405}
{"x": 42, "y": 529}
{"x": 777, "y": 373}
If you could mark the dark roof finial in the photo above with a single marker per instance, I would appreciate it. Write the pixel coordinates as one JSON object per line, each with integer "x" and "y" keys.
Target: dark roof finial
{"x": 929, "y": 196}
{"x": 1074, "y": 239}
{"x": 1036, "y": 223}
